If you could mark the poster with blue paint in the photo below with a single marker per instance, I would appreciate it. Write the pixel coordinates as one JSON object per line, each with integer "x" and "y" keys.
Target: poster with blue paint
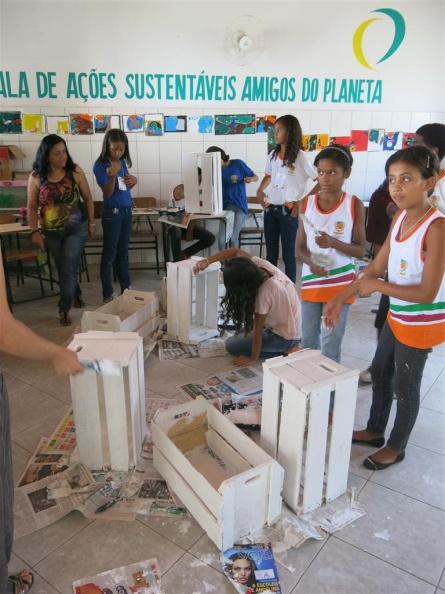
{"x": 153, "y": 124}
{"x": 133, "y": 123}
{"x": 263, "y": 123}
{"x": 175, "y": 123}
{"x": 10, "y": 122}
{"x": 235, "y": 124}
{"x": 201, "y": 124}
{"x": 392, "y": 141}
{"x": 251, "y": 569}
{"x": 375, "y": 139}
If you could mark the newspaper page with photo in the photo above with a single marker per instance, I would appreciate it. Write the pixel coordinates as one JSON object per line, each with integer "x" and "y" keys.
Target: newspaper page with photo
{"x": 42, "y": 465}
{"x": 143, "y": 577}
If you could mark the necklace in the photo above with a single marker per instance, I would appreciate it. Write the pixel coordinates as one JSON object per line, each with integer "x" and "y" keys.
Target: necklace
{"x": 405, "y": 233}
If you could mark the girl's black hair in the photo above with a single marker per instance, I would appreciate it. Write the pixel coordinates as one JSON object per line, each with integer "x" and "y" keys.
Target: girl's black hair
{"x": 40, "y": 166}
{"x": 216, "y": 149}
{"x": 251, "y": 581}
{"x": 340, "y": 154}
{"x": 294, "y": 140}
{"x": 242, "y": 279}
{"x": 115, "y": 135}
{"x": 421, "y": 157}
{"x": 434, "y": 137}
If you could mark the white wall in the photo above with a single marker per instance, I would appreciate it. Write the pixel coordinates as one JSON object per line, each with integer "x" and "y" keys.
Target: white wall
{"x": 302, "y": 39}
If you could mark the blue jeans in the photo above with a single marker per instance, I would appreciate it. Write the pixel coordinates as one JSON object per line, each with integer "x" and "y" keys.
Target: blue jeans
{"x": 116, "y": 224}
{"x": 272, "y": 345}
{"x": 66, "y": 247}
{"x": 396, "y": 370}
{"x": 278, "y": 222}
{"x": 313, "y": 334}
{"x": 240, "y": 217}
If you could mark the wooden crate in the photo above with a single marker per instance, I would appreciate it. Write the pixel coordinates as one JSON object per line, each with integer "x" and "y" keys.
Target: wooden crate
{"x": 133, "y": 311}
{"x": 109, "y": 409}
{"x": 295, "y": 425}
{"x": 205, "y": 196}
{"x": 192, "y": 301}
{"x": 229, "y": 502}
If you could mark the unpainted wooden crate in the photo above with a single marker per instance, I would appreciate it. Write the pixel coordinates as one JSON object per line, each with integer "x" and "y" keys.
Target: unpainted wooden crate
{"x": 298, "y": 430}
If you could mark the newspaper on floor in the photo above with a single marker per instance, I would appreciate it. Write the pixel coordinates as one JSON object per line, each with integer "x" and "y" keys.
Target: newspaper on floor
{"x": 63, "y": 439}
{"x": 251, "y": 568}
{"x": 42, "y": 465}
{"x": 209, "y": 388}
{"x": 34, "y": 507}
{"x": 143, "y": 577}
{"x": 212, "y": 347}
{"x": 172, "y": 350}
{"x": 243, "y": 381}
{"x": 337, "y": 514}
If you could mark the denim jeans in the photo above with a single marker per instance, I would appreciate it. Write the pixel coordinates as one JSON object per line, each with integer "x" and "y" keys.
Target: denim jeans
{"x": 240, "y": 217}
{"x": 278, "y": 222}
{"x": 6, "y": 487}
{"x": 272, "y": 345}
{"x": 396, "y": 370}
{"x": 116, "y": 224}
{"x": 66, "y": 247}
{"x": 314, "y": 335}
{"x": 205, "y": 240}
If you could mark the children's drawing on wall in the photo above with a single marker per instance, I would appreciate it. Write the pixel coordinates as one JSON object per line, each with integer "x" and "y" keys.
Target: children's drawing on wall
{"x": 201, "y": 124}
{"x": 133, "y": 123}
{"x": 271, "y": 143}
{"x": 103, "y": 122}
{"x": 263, "y": 123}
{"x": 33, "y": 123}
{"x": 153, "y": 124}
{"x": 175, "y": 123}
{"x": 57, "y": 125}
{"x": 344, "y": 140}
{"x": 392, "y": 141}
{"x": 359, "y": 140}
{"x": 408, "y": 139}
{"x": 10, "y": 122}
{"x": 81, "y": 123}
{"x": 375, "y": 139}
{"x": 235, "y": 124}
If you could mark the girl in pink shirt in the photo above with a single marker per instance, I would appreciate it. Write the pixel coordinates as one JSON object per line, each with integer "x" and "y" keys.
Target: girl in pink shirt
{"x": 261, "y": 302}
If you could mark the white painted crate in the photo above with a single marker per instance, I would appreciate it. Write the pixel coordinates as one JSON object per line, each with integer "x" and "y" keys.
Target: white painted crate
{"x": 228, "y": 504}
{"x": 109, "y": 410}
{"x": 192, "y": 301}
{"x": 133, "y": 311}
{"x": 205, "y": 196}
{"x": 295, "y": 425}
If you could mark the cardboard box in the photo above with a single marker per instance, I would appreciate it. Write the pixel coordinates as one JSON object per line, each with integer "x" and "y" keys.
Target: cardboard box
{"x": 8, "y": 153}
{"x": 296, "y": 429}
{"x": 109, "y": 408}
{"x": 130, "y": 312}
{"x": 227, "y": 482}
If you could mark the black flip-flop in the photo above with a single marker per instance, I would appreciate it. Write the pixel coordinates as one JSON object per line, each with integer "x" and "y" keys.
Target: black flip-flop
{"x": 19, "y": 585}
{"x": 373, "y": 465}
{"x": 375, "y": 442}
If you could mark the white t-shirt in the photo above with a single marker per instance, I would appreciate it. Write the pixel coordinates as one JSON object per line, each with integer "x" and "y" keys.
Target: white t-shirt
{"x": 437, "y": 198}
{"x": 288, "y": 183}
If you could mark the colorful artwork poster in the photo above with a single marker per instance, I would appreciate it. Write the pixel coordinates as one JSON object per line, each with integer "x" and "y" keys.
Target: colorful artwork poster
{"x": 344, "y": 140}
{"x": 81, "y": 124}
{"x": 175, "y": 123}
{"x": 251, "y": 568}
{"x": 408, "y": 139}
{"x": 153, "y": 124}
{"x": 263, "y": 123}
{"x": 104, "y": 122}
{"x": 235, "y": 124}
{"x": 201, "y": 124}
{"x": 143, "y": 577}
{"x": 10, "y": 122}
{"x": 133, "y": 123}
{"x": 322, "y": 141}
{"x": 359, "y": 141}
{"x": 33, "y": 123}
{"x": 315, "y": 142}
{"x": 58, "y": 125}
{"x": 375, "y": 139}
{"x": 271, "y": 144}
{"x": 392, "y": 141}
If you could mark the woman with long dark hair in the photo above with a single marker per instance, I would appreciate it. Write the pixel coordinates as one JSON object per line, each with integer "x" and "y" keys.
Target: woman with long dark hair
{"x": 261, "y": 302}
{"x": 57, "y": 186}
{"x": 287, "y": 171}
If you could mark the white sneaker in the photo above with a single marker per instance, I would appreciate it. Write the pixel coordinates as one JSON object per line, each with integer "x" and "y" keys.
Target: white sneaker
{"x": 365, "y": 376}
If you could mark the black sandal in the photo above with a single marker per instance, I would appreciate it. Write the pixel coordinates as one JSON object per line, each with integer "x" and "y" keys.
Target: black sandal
{"x": 64, "y": 318}
{"x": 375, "y": 442}
{"x": 371, "y": 464}
{"x": 19, "y": 585}
{"x": 78, "y": 302}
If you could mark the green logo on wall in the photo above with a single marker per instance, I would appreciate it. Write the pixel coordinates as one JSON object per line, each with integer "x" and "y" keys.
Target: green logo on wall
{"x": 399, "y": 34}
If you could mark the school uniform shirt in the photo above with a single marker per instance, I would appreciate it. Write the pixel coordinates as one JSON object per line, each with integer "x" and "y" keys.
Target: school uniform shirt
{"x": 287, "y": 182}
{"x": 277, "y": 299}
{"x": 338, "y": 223}
{"x": 235, "y": 193}
{"x": 121, "y": 196}
{"x": 437, "y": 198}
{"x": 419, "y": 325}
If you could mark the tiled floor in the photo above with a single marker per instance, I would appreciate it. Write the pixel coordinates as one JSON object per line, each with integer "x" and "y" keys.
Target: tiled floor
{"x": 398, "y": 547}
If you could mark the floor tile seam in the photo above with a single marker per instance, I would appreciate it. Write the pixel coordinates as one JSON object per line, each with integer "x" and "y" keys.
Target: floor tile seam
{"x": 393, "y": 490}
{"x": 312, "y": 561}
{"x": 36, "y": 572}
